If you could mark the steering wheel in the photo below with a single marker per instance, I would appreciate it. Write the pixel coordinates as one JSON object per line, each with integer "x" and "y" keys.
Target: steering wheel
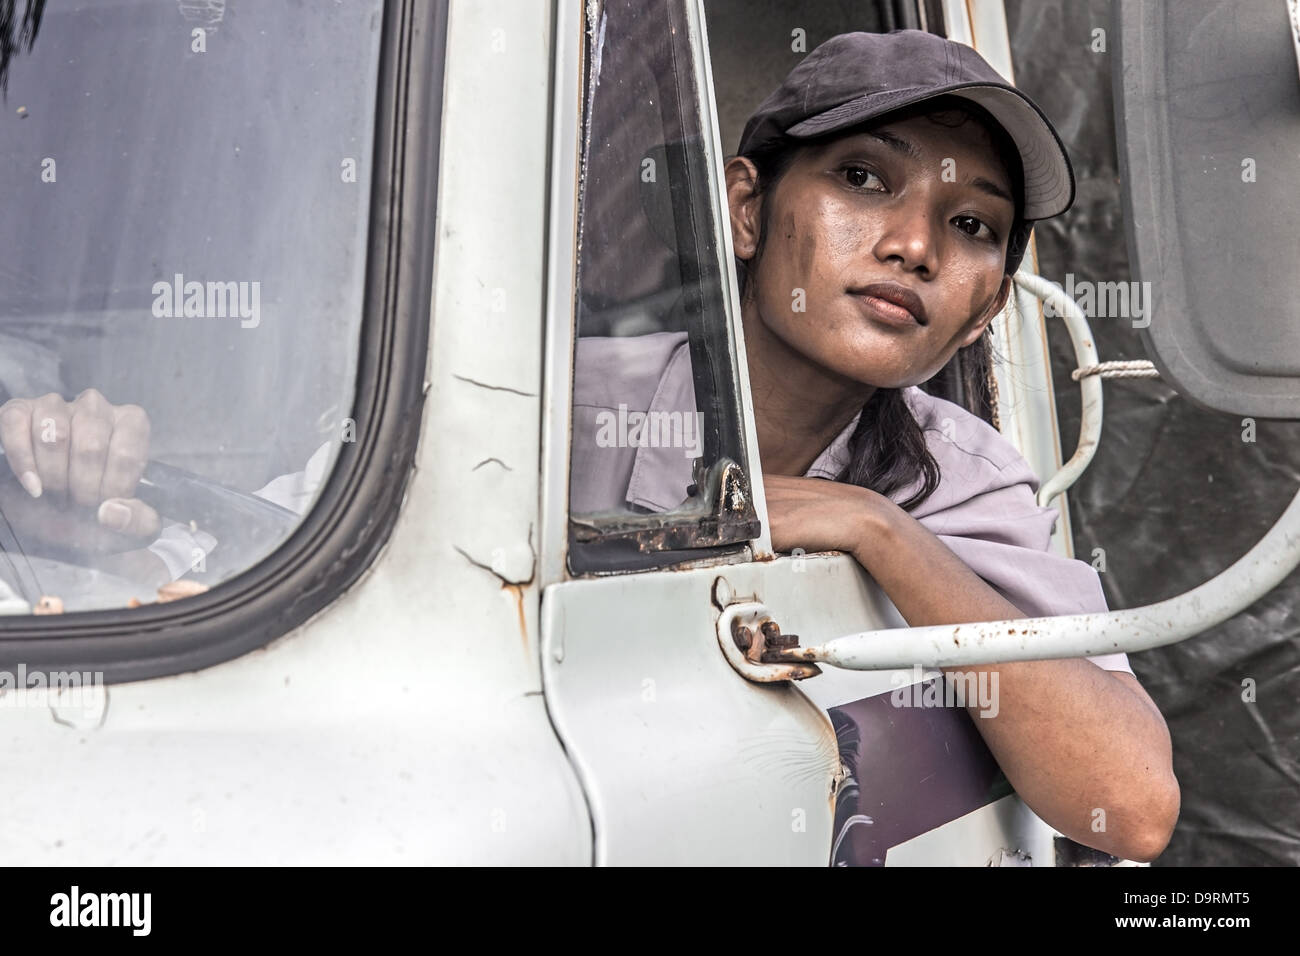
{"x": 245, "y": 527}
{"x": 242, "y": 523}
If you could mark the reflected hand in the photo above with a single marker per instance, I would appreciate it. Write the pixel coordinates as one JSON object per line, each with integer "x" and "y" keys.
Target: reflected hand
{"x": 79, "y": 463}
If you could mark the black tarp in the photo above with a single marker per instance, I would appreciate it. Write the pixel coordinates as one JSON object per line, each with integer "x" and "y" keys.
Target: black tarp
{"x": 1174, "y": 495}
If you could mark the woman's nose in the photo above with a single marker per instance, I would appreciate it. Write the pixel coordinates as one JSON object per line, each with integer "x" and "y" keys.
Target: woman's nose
{"x": 909, "y": 237}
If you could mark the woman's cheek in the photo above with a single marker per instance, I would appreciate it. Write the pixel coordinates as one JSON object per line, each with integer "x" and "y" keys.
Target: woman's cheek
{"x": 787, "y": 288}
{"x": 850, "y": 233}
{"x": 796, "y": 261}
{"x": 975, "y": 300}
{"x": 781, "y": 296}
{"x": 977, "y": 294}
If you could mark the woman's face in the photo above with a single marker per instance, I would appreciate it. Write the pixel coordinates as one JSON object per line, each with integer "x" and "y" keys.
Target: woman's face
{"x": 912, "y": 211}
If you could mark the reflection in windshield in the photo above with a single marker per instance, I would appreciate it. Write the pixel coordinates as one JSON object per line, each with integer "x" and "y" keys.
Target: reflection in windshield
{"x": 181, "y": 276}
{"x": 17, "y": 31}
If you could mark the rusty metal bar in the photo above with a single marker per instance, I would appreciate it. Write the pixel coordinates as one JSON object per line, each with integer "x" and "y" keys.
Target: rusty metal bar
{"x": 1082, "y": 635}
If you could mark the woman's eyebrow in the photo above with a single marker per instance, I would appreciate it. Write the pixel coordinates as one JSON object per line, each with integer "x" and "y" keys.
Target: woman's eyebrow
{"x": 906, "y": 147}
{"x": 992, "y": 188}
{"x": 897, "y": 143}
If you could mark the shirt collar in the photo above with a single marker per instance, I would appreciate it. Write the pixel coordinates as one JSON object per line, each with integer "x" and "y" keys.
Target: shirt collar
{"x": 663, "y": 473}
{"x": 835, "y": 457}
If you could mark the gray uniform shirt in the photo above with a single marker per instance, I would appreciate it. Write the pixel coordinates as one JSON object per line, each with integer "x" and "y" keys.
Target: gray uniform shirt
{"x": 984, "y": 509}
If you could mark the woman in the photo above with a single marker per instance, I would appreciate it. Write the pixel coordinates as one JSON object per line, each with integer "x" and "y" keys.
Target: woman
{"x": 881, "y": 199}
{"x": 903, "y": 265}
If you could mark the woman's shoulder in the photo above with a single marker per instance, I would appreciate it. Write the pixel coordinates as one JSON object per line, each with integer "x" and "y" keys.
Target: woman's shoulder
{"x": 980, "y": 472}
{"x": 986, "y": 510}
{"x": 974, "y": 458}
{"x": 954, "y": 429}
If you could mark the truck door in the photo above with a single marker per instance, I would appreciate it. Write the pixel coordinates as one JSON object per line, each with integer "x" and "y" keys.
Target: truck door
{"x": 683, "y": 759}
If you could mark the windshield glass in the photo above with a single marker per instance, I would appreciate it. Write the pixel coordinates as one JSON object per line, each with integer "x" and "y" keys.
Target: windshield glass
{"x": 182, "y": 260}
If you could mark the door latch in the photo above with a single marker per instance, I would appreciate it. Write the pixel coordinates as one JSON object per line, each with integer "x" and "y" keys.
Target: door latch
{"x": 753, "y": 644}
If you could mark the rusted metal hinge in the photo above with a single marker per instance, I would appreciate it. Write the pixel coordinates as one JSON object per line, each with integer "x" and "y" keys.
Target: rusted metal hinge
{"x": 753, "y": 644}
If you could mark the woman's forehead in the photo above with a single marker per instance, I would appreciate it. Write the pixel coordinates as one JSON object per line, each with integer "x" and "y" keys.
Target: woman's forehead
{"x": 946, "y": 133}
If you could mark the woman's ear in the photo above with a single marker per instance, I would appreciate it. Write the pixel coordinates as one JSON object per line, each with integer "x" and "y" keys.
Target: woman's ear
{"x": 743, "y": 202}
{"x": 981, "y": 322}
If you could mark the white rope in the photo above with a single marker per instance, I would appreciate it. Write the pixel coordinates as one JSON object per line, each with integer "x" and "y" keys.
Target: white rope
{"x": 1137, "y": 368}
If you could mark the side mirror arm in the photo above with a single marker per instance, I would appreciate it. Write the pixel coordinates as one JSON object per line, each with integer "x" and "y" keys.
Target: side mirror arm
{"x": 1260, "y": 570}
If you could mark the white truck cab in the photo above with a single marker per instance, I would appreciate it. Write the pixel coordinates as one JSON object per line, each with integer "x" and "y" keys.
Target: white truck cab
{"x": 434, "y": 659}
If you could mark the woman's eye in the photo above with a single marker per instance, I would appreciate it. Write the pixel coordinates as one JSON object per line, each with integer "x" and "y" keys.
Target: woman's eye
{"x": 973, "y": 227}
{"x": 859, "y": 177}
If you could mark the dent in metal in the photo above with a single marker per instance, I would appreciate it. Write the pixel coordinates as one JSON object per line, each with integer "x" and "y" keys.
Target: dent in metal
{"x": 515, "y": 569}
{"x": 514, "y": 566}
{"x": 81, "y": 708}
{"x": 493, "y": 388}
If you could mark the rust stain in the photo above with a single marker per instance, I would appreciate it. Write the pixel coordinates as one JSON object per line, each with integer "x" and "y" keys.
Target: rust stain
{"x": 518, "y": 592}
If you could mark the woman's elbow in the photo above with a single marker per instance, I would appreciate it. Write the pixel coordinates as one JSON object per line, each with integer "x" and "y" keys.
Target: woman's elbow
{"x": 1156, "y": 819}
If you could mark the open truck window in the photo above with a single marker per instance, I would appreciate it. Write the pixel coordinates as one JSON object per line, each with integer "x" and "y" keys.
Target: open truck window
{"x": 657, "y": 467}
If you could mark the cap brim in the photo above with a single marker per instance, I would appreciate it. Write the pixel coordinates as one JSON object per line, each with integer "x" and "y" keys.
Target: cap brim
{"x": 1049, "y": 178}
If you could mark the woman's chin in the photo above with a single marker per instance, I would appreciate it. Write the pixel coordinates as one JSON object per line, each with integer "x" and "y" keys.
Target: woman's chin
{"x": 874, "y": 376}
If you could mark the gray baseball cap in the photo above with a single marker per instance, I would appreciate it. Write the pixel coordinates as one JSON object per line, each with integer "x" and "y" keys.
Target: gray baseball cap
{"x": 856, "y": 77}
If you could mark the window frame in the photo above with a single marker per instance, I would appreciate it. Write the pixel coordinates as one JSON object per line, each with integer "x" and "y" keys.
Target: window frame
{"x": 735, "y": 526}
{"x": 359, "y": 504}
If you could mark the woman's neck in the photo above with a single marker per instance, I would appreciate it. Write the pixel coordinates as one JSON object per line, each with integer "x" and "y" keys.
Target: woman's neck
{"x": 799, "y": 406}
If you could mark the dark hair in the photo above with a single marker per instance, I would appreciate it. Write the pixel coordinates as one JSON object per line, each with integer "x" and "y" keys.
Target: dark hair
{"x": 888, "y": 450}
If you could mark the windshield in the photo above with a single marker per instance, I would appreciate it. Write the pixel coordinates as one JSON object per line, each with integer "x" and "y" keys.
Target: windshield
{"x": 182, "y": 265}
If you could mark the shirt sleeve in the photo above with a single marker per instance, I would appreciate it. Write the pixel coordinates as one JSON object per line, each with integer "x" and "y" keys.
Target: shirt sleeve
{"x": 297, "y": 490}
{"x": 182, "y": 549}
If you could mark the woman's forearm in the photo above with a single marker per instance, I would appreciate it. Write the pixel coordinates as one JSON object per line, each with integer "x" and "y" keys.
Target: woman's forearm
{"x": 1085, "y": 748}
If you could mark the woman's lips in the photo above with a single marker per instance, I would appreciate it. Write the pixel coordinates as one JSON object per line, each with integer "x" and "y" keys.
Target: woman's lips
{"x": 887, "y": 312}
{"x": 891, "y": 303}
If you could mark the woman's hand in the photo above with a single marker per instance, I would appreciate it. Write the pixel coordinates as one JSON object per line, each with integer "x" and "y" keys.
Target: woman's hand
{"x": 78, "y": 464}
{"x": 817, "y": 515}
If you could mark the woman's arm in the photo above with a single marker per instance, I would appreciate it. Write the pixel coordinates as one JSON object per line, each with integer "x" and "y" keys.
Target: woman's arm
{"x": 1085, "y": 748}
